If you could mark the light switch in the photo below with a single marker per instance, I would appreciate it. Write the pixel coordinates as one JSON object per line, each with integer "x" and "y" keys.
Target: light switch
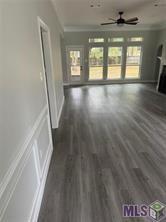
{"x": 41, "y": 76}
{"x": 41, "y": 154}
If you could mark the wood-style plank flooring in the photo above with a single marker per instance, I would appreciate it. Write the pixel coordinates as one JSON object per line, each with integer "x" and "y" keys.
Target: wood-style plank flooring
{"x": 110, "y": 149}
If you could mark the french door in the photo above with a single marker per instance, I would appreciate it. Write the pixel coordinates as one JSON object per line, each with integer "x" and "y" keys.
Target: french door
{"x": 133, "y": 62}
{"x": 75, "y": 66}
{"x": 96, "y": 62}
{"x": 124, "y": 66}
{"x": 114, "y": 66}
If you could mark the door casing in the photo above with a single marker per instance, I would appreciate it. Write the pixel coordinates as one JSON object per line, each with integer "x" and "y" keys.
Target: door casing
{"x": 48, "y": 77}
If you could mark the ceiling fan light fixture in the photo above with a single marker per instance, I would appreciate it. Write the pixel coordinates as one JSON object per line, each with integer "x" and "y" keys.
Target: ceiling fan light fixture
{"x": 120, "y": 24}
{"x": 95, "y": 5}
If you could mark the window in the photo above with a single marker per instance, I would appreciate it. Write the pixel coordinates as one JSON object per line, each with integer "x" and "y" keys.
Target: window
{"x": 135, "y": 39}
{"x": 75, "y": 63}
{"x": 133, "y": 62}
{"x": 96, "y": 40}
{"x": 117, "y": 39}
{"x": 114, "y": 62}
{"x": 96, "y": 63}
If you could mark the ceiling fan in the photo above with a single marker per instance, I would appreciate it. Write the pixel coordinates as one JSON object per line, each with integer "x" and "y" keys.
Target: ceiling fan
{"x": 121, "y": 21}
{"x": 159, "y": 3}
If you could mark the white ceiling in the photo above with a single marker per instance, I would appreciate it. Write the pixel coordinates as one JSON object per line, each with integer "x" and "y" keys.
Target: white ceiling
{"x": 79, "y": 15}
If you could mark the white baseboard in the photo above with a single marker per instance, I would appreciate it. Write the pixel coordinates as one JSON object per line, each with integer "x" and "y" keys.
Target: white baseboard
{"x": 110, "y": 82}
{"x": 60, "y": 111}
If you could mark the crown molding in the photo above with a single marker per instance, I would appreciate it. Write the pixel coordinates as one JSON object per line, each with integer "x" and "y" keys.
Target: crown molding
{"x": 97, "y": 28}
{"x": 161, "y": 26}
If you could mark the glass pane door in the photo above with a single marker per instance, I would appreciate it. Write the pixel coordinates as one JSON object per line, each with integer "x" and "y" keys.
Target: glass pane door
{"x": 96, "y": 63}
{"x": 75, "y": 64}
{"x": 114, "y": 62}
{"x": 133, "y": 62}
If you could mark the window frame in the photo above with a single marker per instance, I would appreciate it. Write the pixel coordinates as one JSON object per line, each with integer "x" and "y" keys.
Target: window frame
{"x": 116, "y": 42}
{"x": 105, "y": 45}
{"x": 130, "y": 41}
{"x": 100, "y": 42}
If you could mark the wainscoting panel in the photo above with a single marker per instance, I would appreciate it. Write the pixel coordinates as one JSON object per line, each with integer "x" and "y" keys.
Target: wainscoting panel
{"x": 22, "y": 188}
{"x": 21, "y": 202}
{"x": 43, "y": 143}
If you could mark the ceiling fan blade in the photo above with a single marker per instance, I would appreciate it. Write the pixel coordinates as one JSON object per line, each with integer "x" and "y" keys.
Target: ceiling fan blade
{"x": 160, "y": 4}
{"x": 108, "y": 23}
{"x": 131, "y": 23}
{"x": 132, "y": 19}
{"x": 112, "y": 19}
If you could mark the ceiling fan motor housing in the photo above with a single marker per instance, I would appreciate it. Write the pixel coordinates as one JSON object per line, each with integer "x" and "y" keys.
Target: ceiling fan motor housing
{"x": 120, "y": 21}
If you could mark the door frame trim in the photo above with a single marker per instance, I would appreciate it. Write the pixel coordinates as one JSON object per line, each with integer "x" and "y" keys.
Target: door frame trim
{"x": 68, "y": 47}
{"x": 52, "y": 96}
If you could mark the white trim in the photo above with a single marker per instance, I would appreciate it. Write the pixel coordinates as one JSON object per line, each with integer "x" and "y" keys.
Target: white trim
{"x": 113, "y": 82}
{"x": 60, "y": 111}
{"x": 52, "y": 71}
{"x": 8, "y": 176}
{"x": 37, "y": 161}
{"x": 98, "y": 28}
{"x": 39, "y": 194}
{"x": 12, "y": 177}
{"x": 161, "y": 26}
{"x": 16, "y": 180}
{"x": 53, "y": 100}
{"x": 44, "y": 122}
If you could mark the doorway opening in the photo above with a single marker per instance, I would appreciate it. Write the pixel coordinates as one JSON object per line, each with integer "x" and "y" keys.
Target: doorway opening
{"x": 46, "y": 54}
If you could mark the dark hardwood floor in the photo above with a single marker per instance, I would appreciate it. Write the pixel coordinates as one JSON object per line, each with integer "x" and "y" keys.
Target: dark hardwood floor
{"x": 110, "y": 150}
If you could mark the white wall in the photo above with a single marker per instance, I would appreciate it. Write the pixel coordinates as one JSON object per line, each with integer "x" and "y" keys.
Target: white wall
{"x": 22, "y": 96}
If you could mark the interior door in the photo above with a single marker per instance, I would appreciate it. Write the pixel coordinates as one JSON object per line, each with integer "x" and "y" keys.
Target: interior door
{"x": 75, "y": 64}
